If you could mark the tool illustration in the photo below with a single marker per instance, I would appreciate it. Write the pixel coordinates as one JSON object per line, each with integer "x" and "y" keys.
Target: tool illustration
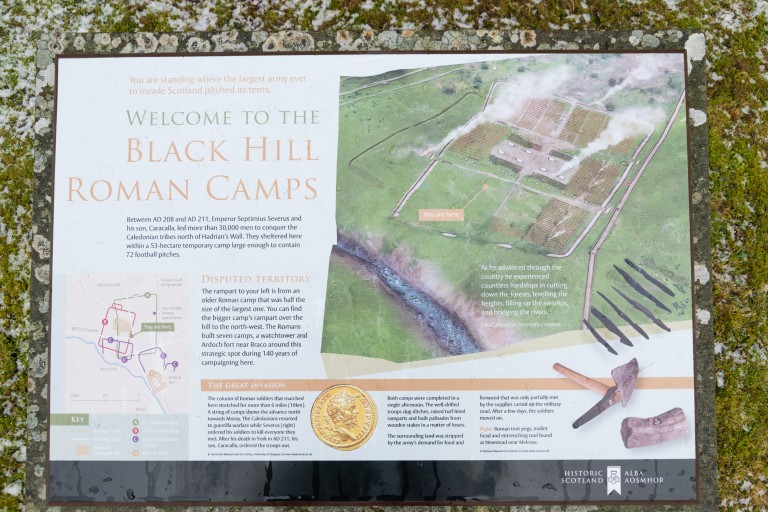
{"x": 638, "y": 432}
{"x": 623, "y": 315}
{"x": 611, "y": 326}
{"x": 644, "y": 310}
{"x": 600, "y": 339}
{"x": 625, "y": 378}
{"x": 640, "y": 289}
{"x": 649, "y": 277}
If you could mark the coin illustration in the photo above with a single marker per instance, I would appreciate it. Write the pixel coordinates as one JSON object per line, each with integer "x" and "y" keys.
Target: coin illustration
{"x": 343, "y": 417}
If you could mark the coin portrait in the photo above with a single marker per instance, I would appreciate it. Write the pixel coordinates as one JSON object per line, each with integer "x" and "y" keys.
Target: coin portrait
{"x": 344, "y": 417}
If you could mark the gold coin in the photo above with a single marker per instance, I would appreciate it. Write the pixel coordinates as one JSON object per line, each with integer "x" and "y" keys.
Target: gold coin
{"x": 343, "y": 417}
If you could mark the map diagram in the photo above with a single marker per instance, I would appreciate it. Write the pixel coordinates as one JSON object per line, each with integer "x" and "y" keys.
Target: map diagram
{"x": 126, "y": 344}
{"x": 542, "y": 171}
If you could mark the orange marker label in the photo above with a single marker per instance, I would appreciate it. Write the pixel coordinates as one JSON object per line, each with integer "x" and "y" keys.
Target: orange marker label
{"x": 441, "y": 215}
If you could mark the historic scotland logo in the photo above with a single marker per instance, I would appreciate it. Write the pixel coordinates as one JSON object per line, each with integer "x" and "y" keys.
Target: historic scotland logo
{"x": 613, "y": 479}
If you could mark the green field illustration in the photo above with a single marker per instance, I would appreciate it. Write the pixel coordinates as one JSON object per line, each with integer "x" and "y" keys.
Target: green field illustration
{"x": 484, "y": 204}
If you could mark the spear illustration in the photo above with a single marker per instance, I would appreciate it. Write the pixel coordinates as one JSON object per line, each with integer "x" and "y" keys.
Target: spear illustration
{"x": 639, "y": 289}
{"x": 600, "y": 339}
{"x": 644, "y": 310}
{"x": 624, "y": 316}
{"x": 649, "y": 277}
{"x": 611, "y": 326}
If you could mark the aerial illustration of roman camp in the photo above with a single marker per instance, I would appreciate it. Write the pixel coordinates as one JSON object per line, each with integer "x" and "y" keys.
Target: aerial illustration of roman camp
{"x": 484, "y": 204}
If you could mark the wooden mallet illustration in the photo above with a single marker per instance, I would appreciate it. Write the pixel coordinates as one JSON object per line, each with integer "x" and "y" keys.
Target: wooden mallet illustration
{"x": 635, "y": 432}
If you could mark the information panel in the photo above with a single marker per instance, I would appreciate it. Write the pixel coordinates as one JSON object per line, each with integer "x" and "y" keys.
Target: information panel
{"x": 478, "y": 260}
